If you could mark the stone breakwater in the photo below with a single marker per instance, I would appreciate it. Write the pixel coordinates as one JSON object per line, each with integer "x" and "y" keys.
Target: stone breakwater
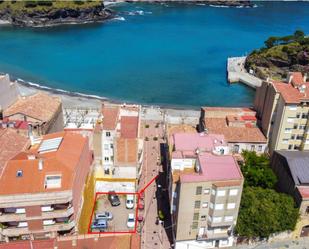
{"x": 55, "y": 16}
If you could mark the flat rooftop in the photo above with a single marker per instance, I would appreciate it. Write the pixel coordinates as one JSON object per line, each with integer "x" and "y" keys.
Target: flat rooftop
{"x": 214, "y": 168}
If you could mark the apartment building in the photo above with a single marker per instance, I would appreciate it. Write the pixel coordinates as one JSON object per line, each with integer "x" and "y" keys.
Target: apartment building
{"x": 238, "y": 125}
{"x": 118, "y": 149}
{"x": 40, "y": 111}
{"x": 291, "y": 168}
{"x": 282, "y": 111}
{"x": 206, "y": 191}
{"x": 41, "y": 187}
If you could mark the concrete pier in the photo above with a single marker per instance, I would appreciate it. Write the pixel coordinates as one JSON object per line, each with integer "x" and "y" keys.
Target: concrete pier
{"x": 236, "y": 72}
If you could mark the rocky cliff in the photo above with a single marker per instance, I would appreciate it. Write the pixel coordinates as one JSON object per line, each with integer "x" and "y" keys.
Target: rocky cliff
{"x": 280, "y": 57}
{"x": 55, "y": 13}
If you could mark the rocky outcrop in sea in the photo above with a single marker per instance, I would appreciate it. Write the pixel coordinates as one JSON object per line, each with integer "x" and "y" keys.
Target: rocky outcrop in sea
{"x": 55, "y": 16}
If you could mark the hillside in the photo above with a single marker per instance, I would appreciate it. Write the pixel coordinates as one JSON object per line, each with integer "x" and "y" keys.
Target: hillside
{"x": 281, "y": 55}
{"x": 51, "y": 12}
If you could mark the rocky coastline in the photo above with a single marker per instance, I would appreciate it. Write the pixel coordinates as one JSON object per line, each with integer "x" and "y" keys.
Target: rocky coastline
{"x": 55, "y": 16}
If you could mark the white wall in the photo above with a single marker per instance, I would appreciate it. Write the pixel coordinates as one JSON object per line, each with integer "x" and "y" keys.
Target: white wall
{"x": 106, "y": 186}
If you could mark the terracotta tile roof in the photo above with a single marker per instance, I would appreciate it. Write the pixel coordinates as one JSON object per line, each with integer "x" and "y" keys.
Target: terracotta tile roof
{"x": 228, "y": 183}
{"x": 40, "y": 106}
{"x": 93, "y": 242}
{"x": 110, "y": 117}
{"x": 297, "y": 78}
{"x": 222, "y": 112}
{"x": 36, "y": 244}
{"x": 64, "y": 161}
{"x": 126, "y": 151}
{"x": 128, "y": 127}
{"x": 234, "y": 134}
{"x": 290, "y": 94}
{"x": 11, "y": 143}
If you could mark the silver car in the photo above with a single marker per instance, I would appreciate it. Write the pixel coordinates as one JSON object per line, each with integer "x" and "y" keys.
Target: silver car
{"x": 104, "y": 216}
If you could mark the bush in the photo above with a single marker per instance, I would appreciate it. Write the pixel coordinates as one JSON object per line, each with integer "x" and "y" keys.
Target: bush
{"x": 30, "y": 4}
{"x": 146, "y": 125}
{"x": 45, "y": 3}
{"x": 155, "y": 138}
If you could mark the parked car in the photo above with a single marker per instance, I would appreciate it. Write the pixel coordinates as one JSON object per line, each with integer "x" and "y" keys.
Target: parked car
{"x": 130, "y": 201}
{"x": 113, "y": 198}
{"x": 131, "y": 221}
{"x": 99, "y": 225}
{"x": 104, "y": 216}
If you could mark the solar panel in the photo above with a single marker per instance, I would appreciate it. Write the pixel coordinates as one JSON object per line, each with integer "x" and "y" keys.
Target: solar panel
{"x": 50, "y": 145}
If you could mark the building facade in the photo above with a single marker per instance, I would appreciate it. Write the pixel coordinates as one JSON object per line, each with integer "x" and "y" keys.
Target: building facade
{"x": 282, "y": 111}
{"x": 40, "y": 112}
{"x": 206, "y": 191}
{"x": 41, "y": 188}
{"x": 238, "y": 125}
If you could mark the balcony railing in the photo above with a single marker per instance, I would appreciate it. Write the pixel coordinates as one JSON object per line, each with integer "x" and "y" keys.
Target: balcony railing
{"x": 45, "y": 215}
{"x": 213, "y": 235}
{"x": 16, "y": 231}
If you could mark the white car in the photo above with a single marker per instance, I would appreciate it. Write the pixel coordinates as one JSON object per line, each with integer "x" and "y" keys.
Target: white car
{"x": 131, "y": 221}
{"x": 130, "y": 202}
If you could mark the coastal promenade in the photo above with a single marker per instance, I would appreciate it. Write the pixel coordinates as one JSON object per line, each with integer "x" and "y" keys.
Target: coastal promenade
{"x": 236, "y": 72}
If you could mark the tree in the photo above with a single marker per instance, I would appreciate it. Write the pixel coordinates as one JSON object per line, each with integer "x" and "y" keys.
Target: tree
{"x": 299, "y": 34}
{"x": 256, "y": 170}
{"x": 264, "y": 211}
{"x": 271, "y": 41}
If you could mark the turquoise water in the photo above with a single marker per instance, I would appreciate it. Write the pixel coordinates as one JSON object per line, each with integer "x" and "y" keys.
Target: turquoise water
{"x": 171, "y": 54}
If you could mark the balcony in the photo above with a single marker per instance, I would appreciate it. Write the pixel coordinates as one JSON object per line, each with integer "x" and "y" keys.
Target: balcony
{"x": 7, "y": 217}
{"x": 210, "y": 234}
{"x": 16, "y": 231}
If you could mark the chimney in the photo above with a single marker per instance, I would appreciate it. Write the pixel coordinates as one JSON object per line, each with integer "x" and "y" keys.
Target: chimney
{"x": 30, "y": 134}
{"x": 41, "y": 164}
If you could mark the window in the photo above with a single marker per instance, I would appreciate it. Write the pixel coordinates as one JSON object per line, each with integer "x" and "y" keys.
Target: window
{"x": 299, "y": 137}
{"x": 196, "y": 216}
{"x": 290, "y": 147}
{"x": 233, "y": 192}
{"x": 296, "y": 147}
{"x": 48, "y": 222}
{"x": 197, "y": 204}
{"x": 288, "y": 130}
{"x": 293, "y": 137}
{"x": 231, "y": 205}
{"x": 53, "y": 181}
{"x": 203, "y": 217}
{"x": 295, "y": 126}
{"x": 206, "y": 191}
{"x": 219, "y": 206}
{"x": 20, "y": 211}
{"x": 106, "y": 159}
{"x": 19, "y": 173}
{"x": 46, "y": 208}
{"x": 228, "y": 218}
{"x": 211, "y": 205}
{"x": 112, "y": 146}
{"x": 106, "y": 146}
{"x": 252, "y": 147}
{"x": 217, "y": 230}
{"x": 205, "y": 205}
{"x": 194, "y": 225}
{"x": 285, "y": 140}
{"x": 221, "y": 193}
{"x": 108, "y": 134}
{"x": 213, "y": 192}
{"x": 217, "y": 219}
{"x": 293, "y": 108}
{"x": 236, "y": 148}
{"x": 174, "y": 194}
{"x": 260, "y": 148}
{"x": 302, "y": 127}
{"x": 174, "y": 208}
{"x": 22, "y": 224}
{"x": 198, "y": 190}
{"x": 298, "y": 115}
{"x": 304, "y": 115}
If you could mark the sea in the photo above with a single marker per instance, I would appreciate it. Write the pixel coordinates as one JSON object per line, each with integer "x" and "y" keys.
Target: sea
{"x": 167, "y": 54}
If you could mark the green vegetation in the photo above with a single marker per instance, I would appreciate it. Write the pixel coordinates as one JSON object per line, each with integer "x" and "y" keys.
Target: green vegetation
{"x": 46, "y": 5}
{"x": 257, "y": 171}
{"x": 280, "y": 55}
{"x": 263, "y": 211}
